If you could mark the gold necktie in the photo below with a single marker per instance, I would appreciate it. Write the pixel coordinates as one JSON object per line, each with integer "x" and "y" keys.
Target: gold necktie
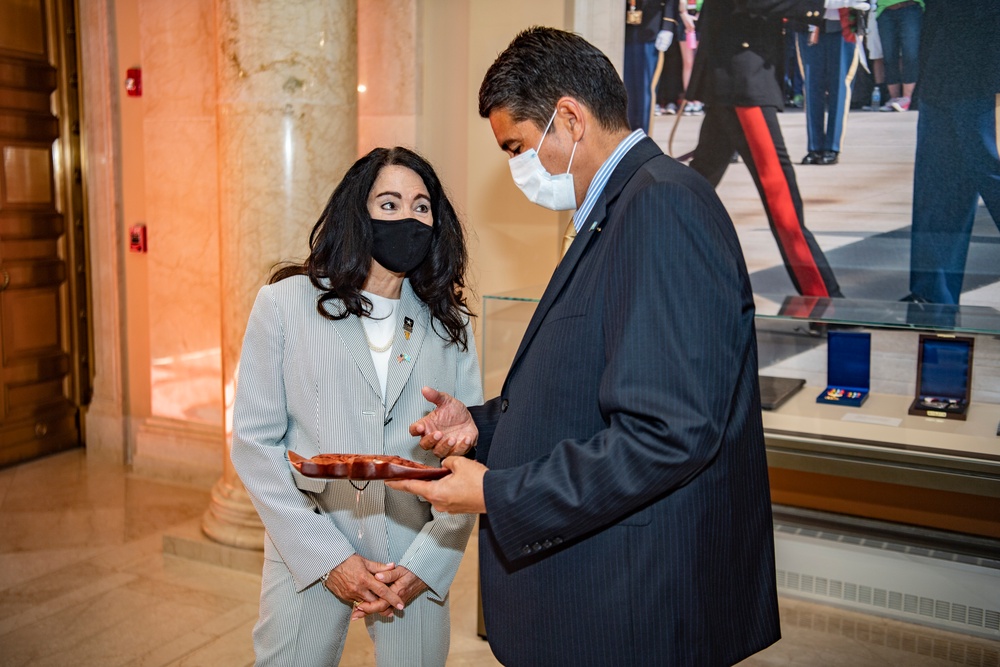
{"x": 568, "y": 237}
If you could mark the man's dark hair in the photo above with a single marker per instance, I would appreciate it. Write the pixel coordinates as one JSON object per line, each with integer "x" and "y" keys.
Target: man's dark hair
{"x": 340, "y": 246}
{"x": 543, "y": 64}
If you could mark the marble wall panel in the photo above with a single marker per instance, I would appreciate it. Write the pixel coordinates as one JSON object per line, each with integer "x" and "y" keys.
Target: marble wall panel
{"x": 182, "y": 210}
{"x": 389, "y": 73}
{"x": 178, "y": 58}
{"x": 183, "y": 232}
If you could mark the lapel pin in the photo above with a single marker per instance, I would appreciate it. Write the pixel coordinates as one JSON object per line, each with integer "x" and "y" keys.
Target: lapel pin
{"x": 593, "y": 225}
{"x": 403, "y": 357}
{"x": 407, "y": 329}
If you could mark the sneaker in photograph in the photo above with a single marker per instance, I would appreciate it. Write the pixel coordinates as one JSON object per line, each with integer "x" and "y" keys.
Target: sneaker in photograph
{"x": 888, "y": 105}
{"x": 900, "y": 104}
{"x": 694, "y": 109}
{"x": 670, "y": 109}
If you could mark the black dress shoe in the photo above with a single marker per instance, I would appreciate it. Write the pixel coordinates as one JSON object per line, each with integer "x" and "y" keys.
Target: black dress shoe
{"x": 813, "y": 157}
{"x": 829, "y": 157}
{"x": 914, "y": 298}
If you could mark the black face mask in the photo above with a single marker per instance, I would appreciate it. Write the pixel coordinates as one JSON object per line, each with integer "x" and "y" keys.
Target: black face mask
{"x": 400, "y": 245}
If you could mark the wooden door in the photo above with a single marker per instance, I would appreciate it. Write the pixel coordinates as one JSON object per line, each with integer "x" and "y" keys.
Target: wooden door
{"x": 42, "y": 266}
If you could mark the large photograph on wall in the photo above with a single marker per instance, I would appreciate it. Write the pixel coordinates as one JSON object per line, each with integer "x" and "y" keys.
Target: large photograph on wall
{"x": 857, "y": 159}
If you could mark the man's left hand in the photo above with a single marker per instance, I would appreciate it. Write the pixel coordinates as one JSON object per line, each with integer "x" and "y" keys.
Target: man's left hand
{"x": 664, "y": 39}
{"x": 448, "y": 430}
{"x": 461, "y": 492}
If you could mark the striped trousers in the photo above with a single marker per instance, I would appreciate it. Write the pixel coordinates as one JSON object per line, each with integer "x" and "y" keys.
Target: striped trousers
{"x": 754, "y": 132}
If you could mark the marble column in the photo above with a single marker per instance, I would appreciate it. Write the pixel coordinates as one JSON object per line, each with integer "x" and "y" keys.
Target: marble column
{"x": 287, "y": 115}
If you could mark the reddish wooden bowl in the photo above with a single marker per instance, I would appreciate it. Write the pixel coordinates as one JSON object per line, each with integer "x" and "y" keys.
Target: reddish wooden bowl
{"x": 363, "y": 467}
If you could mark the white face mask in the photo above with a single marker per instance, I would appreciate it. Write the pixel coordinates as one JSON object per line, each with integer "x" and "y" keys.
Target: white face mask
{"x": 538, "y": 185}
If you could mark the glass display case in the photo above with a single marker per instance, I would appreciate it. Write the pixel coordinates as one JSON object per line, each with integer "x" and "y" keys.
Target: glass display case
{"x": 874, "y": 461}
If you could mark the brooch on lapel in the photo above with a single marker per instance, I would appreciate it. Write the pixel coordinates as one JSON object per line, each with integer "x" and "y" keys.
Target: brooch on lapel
{"x": 407, "y": 329}
{"x": 403, "y": 357}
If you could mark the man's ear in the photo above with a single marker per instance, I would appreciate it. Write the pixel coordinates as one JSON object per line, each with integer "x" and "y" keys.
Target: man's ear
{"x": 573, "y": 115}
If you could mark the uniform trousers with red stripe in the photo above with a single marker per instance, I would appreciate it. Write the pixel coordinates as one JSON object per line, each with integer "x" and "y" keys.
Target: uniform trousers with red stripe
{"x": 754, "y": 132}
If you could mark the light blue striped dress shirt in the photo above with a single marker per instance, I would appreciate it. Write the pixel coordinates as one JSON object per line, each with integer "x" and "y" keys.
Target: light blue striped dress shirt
{"x": 602, "y": 176}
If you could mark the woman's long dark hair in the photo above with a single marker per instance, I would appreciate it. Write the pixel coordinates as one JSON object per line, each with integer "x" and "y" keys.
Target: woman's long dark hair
{"x": 340, "y": 247}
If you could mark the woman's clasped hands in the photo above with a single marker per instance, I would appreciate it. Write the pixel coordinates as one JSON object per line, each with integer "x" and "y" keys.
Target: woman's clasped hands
{"x": 373, "y": 587}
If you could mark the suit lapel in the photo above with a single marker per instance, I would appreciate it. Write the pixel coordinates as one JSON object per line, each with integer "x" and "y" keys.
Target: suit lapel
{"x": 406, "y": 348}
{"x": 352, "y": 332}
{"x": 638, "y": 155}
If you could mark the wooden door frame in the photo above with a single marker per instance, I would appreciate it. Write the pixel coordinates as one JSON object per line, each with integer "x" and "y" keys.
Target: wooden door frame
{"x": 68, "y": 171}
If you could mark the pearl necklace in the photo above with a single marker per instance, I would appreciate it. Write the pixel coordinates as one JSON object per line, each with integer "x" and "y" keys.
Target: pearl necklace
{"x": 378, "y": 349}
{"x": 379, "y": 325}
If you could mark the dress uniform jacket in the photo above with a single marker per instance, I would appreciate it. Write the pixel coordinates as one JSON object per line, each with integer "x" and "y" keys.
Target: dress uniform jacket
{"x": 741, "y": 50}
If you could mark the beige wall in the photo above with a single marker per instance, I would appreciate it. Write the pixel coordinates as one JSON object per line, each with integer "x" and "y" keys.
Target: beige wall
{"x": 513, "y": 243}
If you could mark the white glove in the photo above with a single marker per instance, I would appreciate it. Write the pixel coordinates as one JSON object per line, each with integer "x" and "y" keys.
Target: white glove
{"x": 664, "y": 39}
{"x": 847, "y": 4}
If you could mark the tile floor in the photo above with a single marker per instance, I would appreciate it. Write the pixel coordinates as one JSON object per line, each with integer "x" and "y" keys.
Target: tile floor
{"x": 84, "y": 582}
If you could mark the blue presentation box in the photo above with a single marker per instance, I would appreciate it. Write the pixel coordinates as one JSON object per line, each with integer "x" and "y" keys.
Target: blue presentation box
{"x": 848, "y": 368}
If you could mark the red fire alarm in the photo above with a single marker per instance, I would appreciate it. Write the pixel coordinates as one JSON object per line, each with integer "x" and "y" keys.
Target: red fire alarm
{"x": 133, "y": 82}
{"x": 137, "y": 238}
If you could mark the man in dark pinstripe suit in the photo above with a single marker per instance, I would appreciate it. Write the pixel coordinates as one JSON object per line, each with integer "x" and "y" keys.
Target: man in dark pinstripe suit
{"x": 620, "y": 474}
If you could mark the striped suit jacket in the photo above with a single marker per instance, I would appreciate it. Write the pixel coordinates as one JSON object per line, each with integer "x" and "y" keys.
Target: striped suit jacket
{"x": 308, "y": 384}
{"x": 628, "y": 513}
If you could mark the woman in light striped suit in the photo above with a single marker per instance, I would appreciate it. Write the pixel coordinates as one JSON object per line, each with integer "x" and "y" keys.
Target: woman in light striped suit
{"x": 335, "y": 354}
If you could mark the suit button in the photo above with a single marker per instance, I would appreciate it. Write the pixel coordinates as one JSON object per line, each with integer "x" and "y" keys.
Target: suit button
{"x": 526, "y": 550}
{"x": 557, "y": 540}
{"x": 746, "y": 45}
{"x": 503, "y": 405}
{"x": 547, "y": 544}
{"x": 536, "y": 547}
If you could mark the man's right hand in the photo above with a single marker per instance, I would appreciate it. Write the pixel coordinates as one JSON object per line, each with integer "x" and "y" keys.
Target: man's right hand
{"x": 448, "y": 430}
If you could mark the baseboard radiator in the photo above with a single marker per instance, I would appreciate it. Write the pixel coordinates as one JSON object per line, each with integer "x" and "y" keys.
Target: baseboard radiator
{"x": 951, "y": 591}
